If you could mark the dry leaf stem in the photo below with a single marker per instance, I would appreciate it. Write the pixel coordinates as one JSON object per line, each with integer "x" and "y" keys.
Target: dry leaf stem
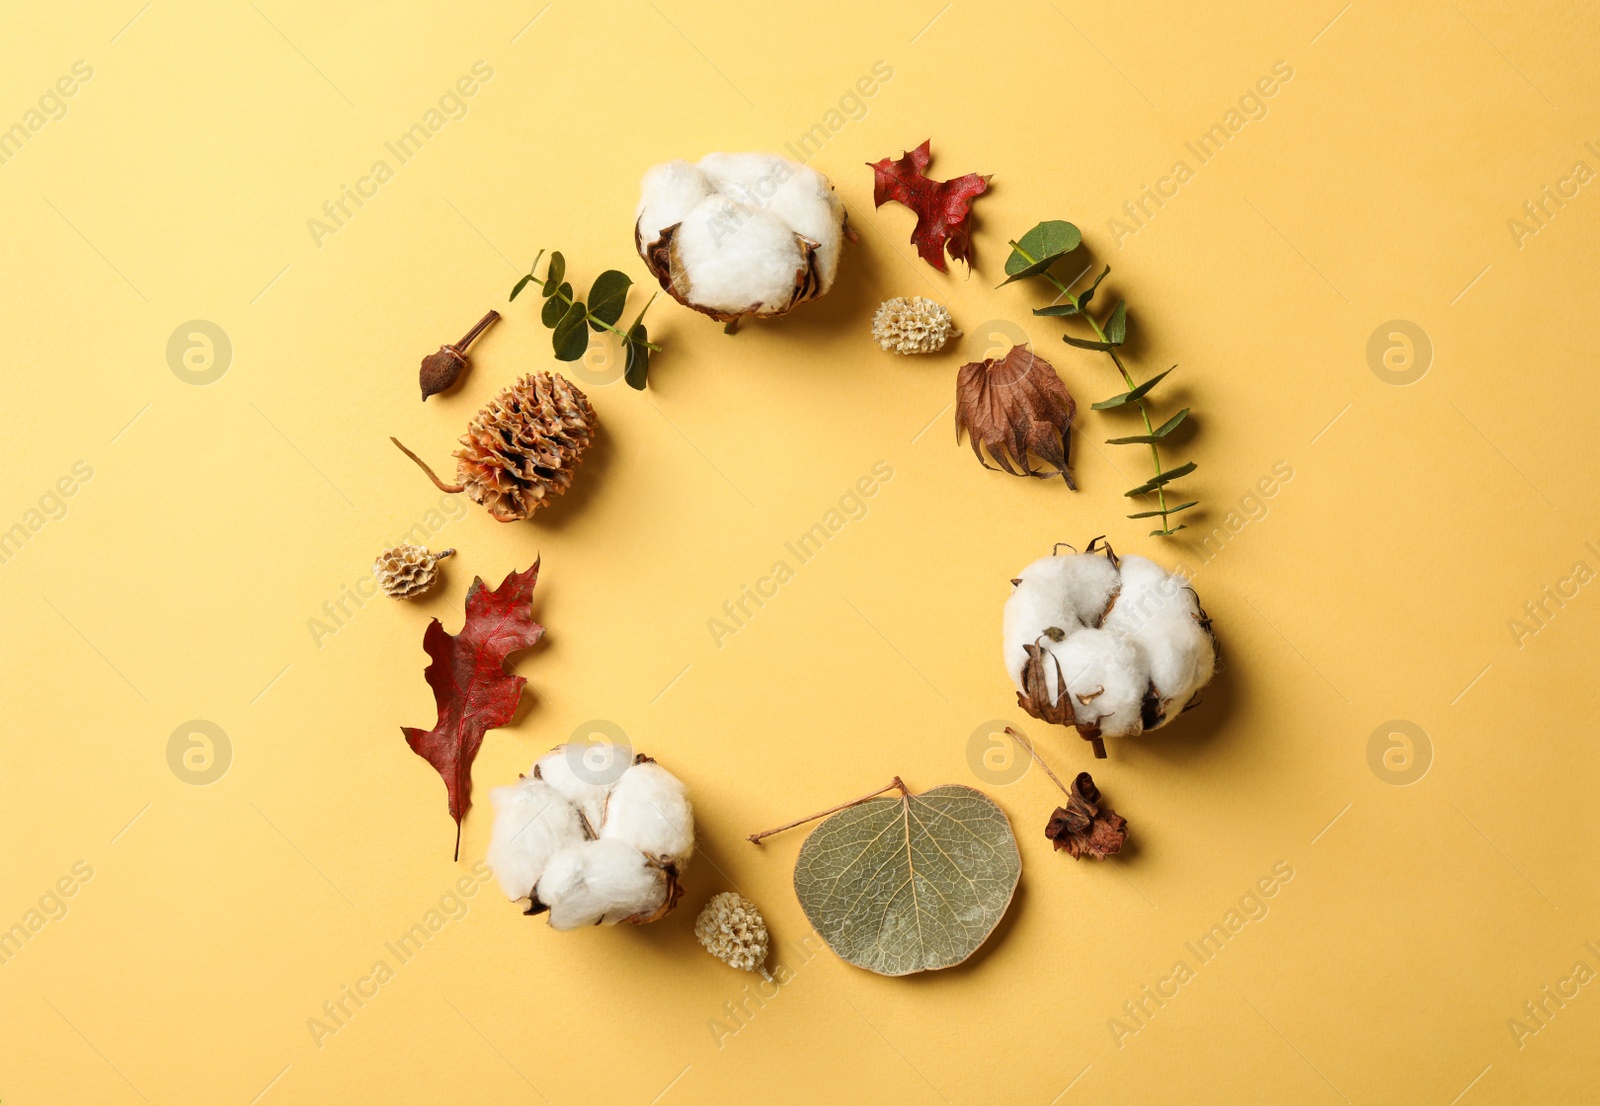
{"x": 892, "y": 785}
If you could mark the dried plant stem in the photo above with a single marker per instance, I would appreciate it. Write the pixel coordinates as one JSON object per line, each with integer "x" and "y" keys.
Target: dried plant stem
{"x": 892, "y": 785}
{"x": 423, "y": 465}
{"x": 1037, "y": 759}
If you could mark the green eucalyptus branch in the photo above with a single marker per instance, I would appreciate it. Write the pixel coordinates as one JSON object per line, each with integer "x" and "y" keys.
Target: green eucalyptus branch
{"x": 570, "y": 319}
{"x": 1034, "y": 256}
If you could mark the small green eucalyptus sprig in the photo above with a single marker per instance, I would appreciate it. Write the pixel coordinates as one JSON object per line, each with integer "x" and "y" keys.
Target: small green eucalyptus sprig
{"x": 1034, "y": 255}
{"x": 570, "y": 319}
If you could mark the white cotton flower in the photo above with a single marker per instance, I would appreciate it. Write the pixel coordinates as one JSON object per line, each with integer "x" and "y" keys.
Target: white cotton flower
{"x": 590, "y": 841}
{"x": 649, "y": 809}
{"x": 1127, "y": 639}
{"x": 582, "y": 776}
{"x": 600, "y": 883}
{"x": 531, "y": 823}
{"x": 740, "y": 234}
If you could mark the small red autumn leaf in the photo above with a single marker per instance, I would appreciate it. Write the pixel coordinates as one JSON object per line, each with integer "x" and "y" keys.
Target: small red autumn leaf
{"x": 473, "y": 691}
{"x": 942, "y": 207}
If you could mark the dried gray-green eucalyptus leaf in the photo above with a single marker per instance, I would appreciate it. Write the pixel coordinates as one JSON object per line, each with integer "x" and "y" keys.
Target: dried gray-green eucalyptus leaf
{"x": 909, "y": 883}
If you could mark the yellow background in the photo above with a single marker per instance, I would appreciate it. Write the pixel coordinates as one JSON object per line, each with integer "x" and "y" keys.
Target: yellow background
{"x": 1376, "y": 584}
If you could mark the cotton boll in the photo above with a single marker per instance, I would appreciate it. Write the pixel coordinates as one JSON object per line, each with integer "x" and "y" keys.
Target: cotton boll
{"x": 597, "y": 882}
{"x": 756, "y": 233}
{"x": 1180, "y": 659}
{"x": 531, "y": 823}
{"x": 737, "y": 259}
{"x": 580, "y": 783}
{"x": 1036, "y": 606}
{"x": 667, "y": 194}
{"x": 1105, "y": 678}
{"x": 807, "y": 203}
{"x": 1090, "y": 583}
{"x": 649, "y": 809}
{"x": 1149, "y": 593}
{"x": 1126, "y": 637}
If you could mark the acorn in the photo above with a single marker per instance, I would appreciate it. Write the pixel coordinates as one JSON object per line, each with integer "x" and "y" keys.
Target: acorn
{"x": 440, "y": 370}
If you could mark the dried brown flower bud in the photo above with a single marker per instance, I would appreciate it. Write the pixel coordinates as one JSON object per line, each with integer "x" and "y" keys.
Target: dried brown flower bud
{"x": 440, "y": 370}
{"x": 1085, "y": 828}
{"x": 1015, "y": 406}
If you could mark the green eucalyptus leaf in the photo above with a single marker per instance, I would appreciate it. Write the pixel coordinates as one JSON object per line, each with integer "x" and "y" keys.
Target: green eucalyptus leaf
{"x": 1088, "y": 293}
{"x": 554, "y": 308}
{"x": 637, "y": 353}
{"x": 1041, "y": 248}
{"x": 1056, "y": 310}
{"x": 1167, "y": 533}
{"x": 1116, "y": 328}
{"x": 607, "y": 297}
{"x": 909, "y": 883}
{"x": 1155, "y": 435}
{"x": 1086, "y": 343}
{"x": 521, "y": 284}
{"x": 1168, "y": 511}
{"x": 1164, "y": 479}
{"x": 1131, "y": 397}
{"x": 554, "y": 274}
{"x": 571, "y": 337}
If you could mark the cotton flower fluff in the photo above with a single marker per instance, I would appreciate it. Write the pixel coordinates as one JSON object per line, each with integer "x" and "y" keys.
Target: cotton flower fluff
{"x": 740, "y": 234}
{"x": 592, "y": 846}
{"x": 1126, "y": 638}
{"x": 915, "y": 325}
{"x": 732, "y": 929}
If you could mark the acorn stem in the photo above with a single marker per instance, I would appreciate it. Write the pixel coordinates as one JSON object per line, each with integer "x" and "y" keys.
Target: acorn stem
{"x": 423, "y": 465}
{"x": 481, "y": 325}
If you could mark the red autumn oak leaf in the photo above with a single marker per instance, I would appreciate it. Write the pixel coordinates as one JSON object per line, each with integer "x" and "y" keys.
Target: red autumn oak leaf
{"x": 471, "y": 686}
{"x": 942, "y": 207}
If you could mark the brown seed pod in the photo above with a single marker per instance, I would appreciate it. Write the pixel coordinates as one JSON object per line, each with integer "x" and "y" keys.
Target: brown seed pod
{"x": 408, "y": 570}
{"x": 440, "y": 370}
{"x": 520, "y": 450}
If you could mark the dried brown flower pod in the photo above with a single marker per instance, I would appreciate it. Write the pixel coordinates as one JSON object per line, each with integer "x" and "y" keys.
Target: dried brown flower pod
{"x": 1084, "y": 827}
{"x": 440, "y": 370}
{"x": 520, "y": 450}
{"x": 1016, "y": 406}
{"x": 407, "y": 570}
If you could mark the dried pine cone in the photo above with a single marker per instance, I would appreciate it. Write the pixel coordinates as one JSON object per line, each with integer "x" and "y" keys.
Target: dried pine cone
{"x": 408, "y": 570}
{"x": 915, "y": 325}
{"x": 732, "y": 929}
{"x": 520, "y": 450}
